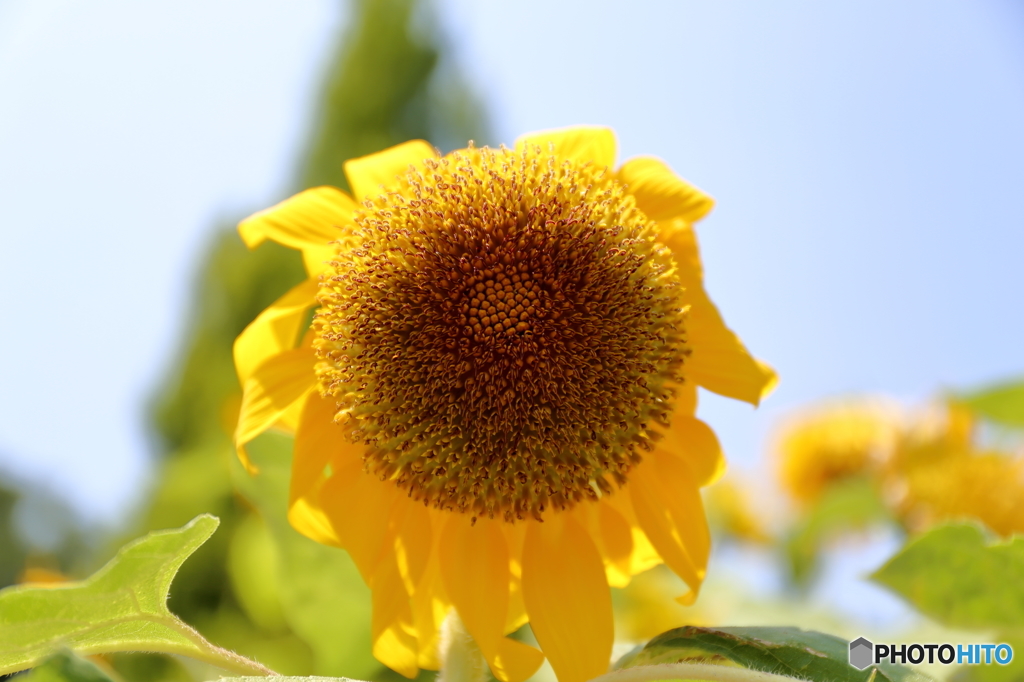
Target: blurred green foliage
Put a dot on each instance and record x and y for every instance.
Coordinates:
(1002, 403)
(390, 82)
(852, 504)
(64, 666)
(960, 577)
(12, 559)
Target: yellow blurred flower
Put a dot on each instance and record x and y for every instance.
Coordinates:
(835, 441)
(939, 473)
(504, 337)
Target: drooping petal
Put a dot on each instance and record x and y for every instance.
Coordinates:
(318, 442)
(394, 581)
(660, 193)
(274, 330)
(332, 499)
(616, 539)
(643, 555)
(367, 173)
(359, 507)
(269, 392)
(475, 569)
(568, 598)
(696, 445)
(430, 606)
(668, 506)
(719, 362)
(686, 399)
(308, 221)
(578, 143)
(515, 533)
(391, 625)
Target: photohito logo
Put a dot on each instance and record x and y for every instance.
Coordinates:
(863, 653)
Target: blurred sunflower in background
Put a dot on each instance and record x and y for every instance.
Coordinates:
(862, 462)
(494, 404)
(833, 441)
(941, 471)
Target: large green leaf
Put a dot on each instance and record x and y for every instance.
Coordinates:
(781, 651)
(1003, 403)
(955, 575)
(122, 607)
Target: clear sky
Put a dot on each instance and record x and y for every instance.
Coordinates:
(867, 158)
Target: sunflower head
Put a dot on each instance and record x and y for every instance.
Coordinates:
(940, 471)
(500, 330)
(833, 442)
(503, 337)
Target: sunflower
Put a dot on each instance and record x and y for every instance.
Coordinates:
(940, 472)
(835, 441)
(494, 405)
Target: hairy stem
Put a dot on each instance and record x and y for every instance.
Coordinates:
(461, 660)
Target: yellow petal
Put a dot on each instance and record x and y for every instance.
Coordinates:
(430, 606)
(289, 421)
(332, 500)
(393, 583)
(617, 542)
(515, 661)
(274, 330)
(308, 221)
(514, 536)
(686, 399)
(318, 442)
(643, 556)
(475, 570)
(359, 507)
(391, 628)
(660, 193)
(719, 362)
(668, 506)
(578, 143)
(567, 597)
(693, 442)
(367, 173)
(269, 392)
(474, 567)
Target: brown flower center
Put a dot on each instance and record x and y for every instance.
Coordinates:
(500, 330)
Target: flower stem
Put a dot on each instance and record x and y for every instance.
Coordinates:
(461, 660)
(690, 671)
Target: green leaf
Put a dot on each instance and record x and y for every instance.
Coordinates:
(122, 607)
(781, 651)
(64, 666)
(956, 576)
(1002, 403)
(845, 506)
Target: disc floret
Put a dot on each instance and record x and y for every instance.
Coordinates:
(501, 331)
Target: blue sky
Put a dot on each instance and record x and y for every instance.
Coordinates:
(867, 158)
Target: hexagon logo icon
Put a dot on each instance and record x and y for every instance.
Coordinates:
(861, 653)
